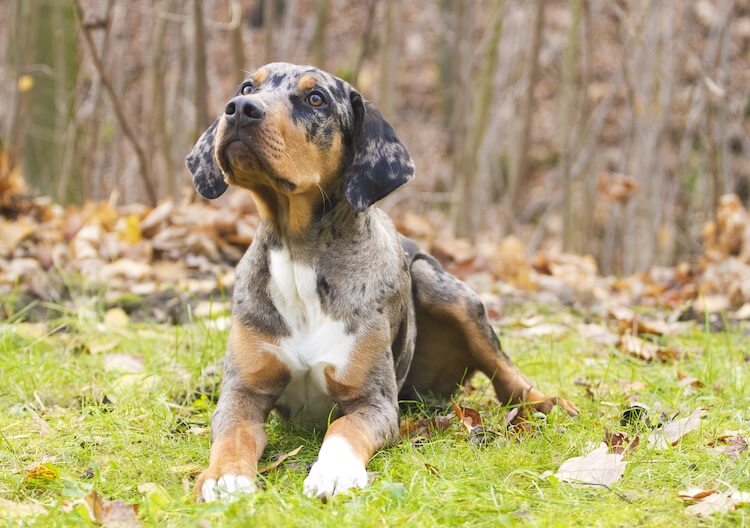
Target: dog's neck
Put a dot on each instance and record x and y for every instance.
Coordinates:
(303, 223)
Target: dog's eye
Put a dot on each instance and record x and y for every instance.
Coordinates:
(246, 89)
(315, 98)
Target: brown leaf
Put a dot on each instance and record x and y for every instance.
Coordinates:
(597, 467)
(469, 417)
(279, 460)
(709, 501)
(113, 514)
(619, 442)
(689, 381)
(424, 427)
(13, 234)
(672, 432)
(646, 350)
(734, 442)
(694, 493)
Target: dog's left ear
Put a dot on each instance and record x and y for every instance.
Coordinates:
(207, 178)
(380, 163)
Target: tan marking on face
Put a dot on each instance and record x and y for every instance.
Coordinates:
(283, 148)
(259, 368)
(260, 76)
(306, 82)
(235, 451)
(357, 432)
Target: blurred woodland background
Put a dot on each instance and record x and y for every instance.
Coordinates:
(609, 128)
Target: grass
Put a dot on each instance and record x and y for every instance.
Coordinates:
(94, 428)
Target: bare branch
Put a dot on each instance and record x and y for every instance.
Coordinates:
(119, 112)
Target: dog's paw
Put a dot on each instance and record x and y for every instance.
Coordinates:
(337, 470)
(224, 488)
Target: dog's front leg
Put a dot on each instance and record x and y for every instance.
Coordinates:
(253, 380)
(370, 422)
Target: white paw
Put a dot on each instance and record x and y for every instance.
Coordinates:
(227, 488)
(336, 471)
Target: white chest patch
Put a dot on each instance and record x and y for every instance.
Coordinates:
(316, 340)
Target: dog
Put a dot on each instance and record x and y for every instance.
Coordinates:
(335, 315)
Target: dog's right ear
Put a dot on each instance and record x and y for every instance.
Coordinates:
(207, 177)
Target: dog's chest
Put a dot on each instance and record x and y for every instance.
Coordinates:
(316, 340)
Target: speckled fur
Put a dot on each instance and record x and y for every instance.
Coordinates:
(401, 324)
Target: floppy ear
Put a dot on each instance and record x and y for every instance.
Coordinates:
(380, 163)
(207, 178)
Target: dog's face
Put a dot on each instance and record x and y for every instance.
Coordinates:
(297, 130)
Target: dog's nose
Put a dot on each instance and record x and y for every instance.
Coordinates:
(244, 110)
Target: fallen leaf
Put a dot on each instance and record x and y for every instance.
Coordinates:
(116, 317)
(646, 350)
(597, 467)
(734, 442)
(113, 514)
(424, 427)
(694, 493)
(279, 460)
(472, 420)
(689, 381)
(620, 442)
(467, 416)
(40, 473)
(10, 509)
(709, 501)
(598, 334)
(123, 363)
(714, 503)
(671, 432)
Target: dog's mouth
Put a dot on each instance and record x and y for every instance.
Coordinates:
(243, 164)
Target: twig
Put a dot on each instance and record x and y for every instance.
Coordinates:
(119, 113)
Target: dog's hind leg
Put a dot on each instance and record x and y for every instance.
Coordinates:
(455, 338)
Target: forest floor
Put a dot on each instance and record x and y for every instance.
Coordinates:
(105, 419)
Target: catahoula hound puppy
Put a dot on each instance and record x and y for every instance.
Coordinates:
(335, 315)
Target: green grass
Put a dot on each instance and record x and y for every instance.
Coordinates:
(111, 435)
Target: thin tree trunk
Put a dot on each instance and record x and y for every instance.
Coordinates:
(388, 60)
(366, 40)
(199, 68)
(319, 38)
(566, 125)
(119, 112)
(465, 216)
(520, 170)
(237, 43)
(269, 21)
(158, 125)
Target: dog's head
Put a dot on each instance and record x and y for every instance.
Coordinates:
(297, 130)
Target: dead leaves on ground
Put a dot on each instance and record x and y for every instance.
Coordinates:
(92, 507)
(114, 514)
(515, 421)
(670, 433)
(597, 467)
(710, 501)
